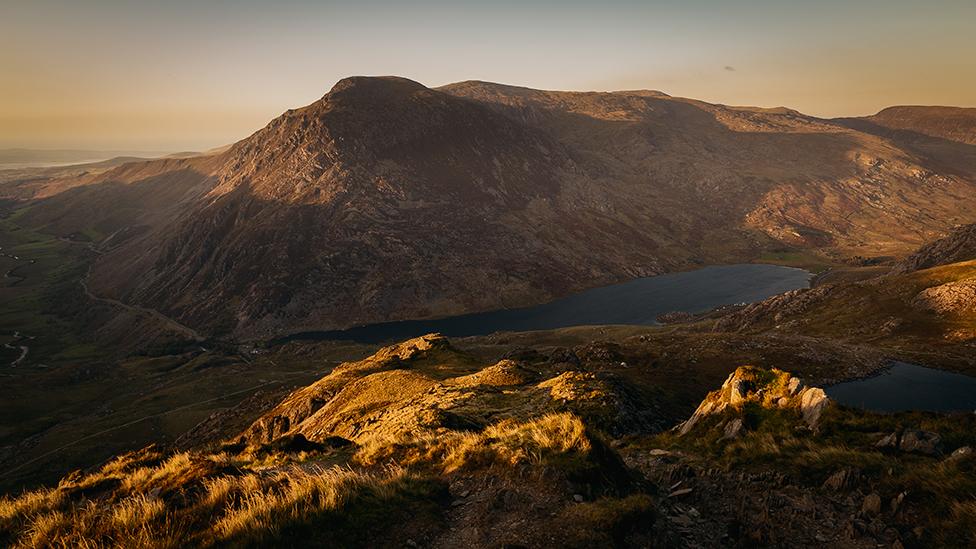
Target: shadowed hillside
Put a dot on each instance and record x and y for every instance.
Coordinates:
(476, 186)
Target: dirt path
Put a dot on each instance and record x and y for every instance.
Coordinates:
(24, 349)
(160, 317)
(165, 320)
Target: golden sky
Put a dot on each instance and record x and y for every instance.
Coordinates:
(182, 75)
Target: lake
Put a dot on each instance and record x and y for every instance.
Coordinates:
(904, 387)
(637, 302)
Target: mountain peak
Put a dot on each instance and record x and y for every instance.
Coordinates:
(374, 86)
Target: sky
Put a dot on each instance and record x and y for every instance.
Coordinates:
(192, 75)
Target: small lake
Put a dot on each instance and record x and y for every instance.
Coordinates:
(637, 302)
(905, 387)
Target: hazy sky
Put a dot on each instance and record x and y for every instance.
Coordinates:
(177, 75)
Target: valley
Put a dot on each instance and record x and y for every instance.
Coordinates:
(480, 300)
(493, 275)
(531, 194)
(639, 302)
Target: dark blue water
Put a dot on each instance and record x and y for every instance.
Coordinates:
(636, 302)
(906, 387)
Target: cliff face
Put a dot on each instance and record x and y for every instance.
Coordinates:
(383, 199)
(387, 200)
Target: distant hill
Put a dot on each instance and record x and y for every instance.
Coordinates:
(953, 123)
(26, 158)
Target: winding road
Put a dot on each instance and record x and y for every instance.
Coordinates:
(24, 349)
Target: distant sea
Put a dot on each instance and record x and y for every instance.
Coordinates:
(18, 159)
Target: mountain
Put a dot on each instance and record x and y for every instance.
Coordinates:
(39, 158)
(952, 123)
(800, 180)
(388, 200)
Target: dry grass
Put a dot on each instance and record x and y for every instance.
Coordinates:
(507, 443)
(940, 490)
(148, 500)
(613, 517)
(247, 509)
(961, 524)
(858, 311)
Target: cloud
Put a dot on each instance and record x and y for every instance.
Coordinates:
(729, 68)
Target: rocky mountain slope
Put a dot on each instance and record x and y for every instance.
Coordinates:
(926, 304)
(388, 200)
(959, 245)
(800, 180)
(422, 445)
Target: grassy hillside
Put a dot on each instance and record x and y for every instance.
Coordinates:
(927, 315)
(422, 444)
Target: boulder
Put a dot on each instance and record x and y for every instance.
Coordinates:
(733, 429)
(794, 385)
(897, 501)
(888, 441)
(842, 480)
(871, 505)
(813, 400)
(964, 453)
(739, 392)
(921, 442)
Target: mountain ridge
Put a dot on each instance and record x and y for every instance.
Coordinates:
(532, 193)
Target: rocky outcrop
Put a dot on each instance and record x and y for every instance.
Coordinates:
(951, 298)
(939, 281)
(959, 245)
(912, 440)
(305, 402)
(425, 386)
(771, 389)
(775, 309)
